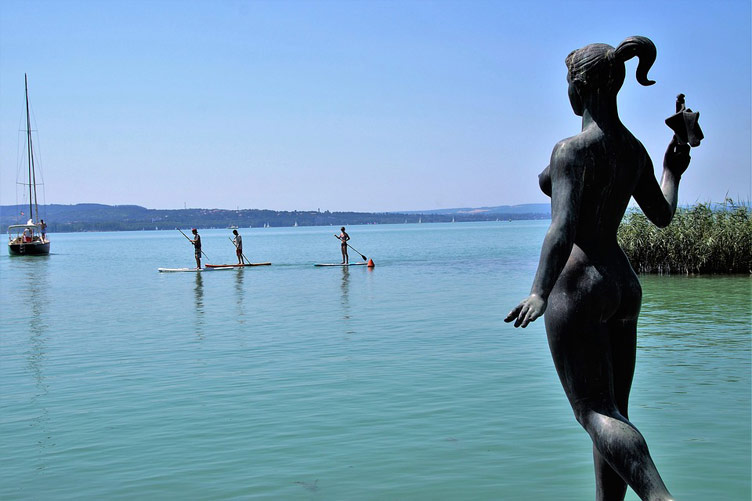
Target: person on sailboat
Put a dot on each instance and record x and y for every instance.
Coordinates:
(43, 229)
(238, 241)
(197, 246)
(344, 237)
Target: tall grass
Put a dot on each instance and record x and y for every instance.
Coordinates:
(700, 239)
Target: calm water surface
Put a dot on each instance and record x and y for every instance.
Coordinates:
(296, 382)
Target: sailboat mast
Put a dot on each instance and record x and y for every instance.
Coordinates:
(33, 209)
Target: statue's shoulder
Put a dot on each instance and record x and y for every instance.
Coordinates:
(571, 149)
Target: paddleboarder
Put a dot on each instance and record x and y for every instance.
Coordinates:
(238, 241)
(344, 237)
(197, 246)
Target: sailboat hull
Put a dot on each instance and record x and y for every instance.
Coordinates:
(29, 249)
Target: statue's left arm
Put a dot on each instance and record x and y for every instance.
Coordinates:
(658, 203)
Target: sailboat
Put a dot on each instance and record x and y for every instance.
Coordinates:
(29, 239)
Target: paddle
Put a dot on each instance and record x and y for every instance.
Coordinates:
(191, 241)
(353, 248)
(233, 243)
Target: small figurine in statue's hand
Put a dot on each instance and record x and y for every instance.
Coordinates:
(686, 124)
(687, 132)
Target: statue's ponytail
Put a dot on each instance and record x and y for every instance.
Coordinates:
(644, 49)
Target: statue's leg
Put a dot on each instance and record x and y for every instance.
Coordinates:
(623, 347)
(583, 352)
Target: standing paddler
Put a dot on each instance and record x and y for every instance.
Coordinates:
(196, 241)
(343, 238)
(238, 242)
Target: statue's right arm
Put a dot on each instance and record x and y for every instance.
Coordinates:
(566, 182)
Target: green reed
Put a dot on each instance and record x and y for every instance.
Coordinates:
(700, 239)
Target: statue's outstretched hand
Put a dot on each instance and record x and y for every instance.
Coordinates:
(527, 311)
(677, 157)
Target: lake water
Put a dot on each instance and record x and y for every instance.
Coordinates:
(296, 382)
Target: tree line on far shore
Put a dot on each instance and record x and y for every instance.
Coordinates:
(100, 217)
(704, 238)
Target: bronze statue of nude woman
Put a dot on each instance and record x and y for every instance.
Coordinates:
(584, 282)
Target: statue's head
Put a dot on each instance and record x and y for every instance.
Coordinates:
(599, 68)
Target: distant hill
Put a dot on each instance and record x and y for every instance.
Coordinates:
(99, 217)
(499, 209)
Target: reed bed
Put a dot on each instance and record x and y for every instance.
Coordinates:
(705, 238)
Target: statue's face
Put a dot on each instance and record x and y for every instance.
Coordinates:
(574, 97)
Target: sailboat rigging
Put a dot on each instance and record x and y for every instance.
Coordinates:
(30, 238)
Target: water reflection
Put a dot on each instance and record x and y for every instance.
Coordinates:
(345, 292)
(345, 302)
(682, 302)
(198, 292)
(699, 325)
(35, 284)
(239, 294)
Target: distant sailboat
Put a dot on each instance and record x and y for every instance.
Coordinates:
(29, 239)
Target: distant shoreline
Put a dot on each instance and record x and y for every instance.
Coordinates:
(100, 217)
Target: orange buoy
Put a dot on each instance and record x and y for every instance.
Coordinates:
(370, 263)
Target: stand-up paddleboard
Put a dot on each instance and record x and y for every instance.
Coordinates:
(236, 265)
(192, 270)
(340, 264)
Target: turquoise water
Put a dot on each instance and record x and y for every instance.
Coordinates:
(296, 382)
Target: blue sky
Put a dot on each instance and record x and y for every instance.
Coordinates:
(350, 105)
